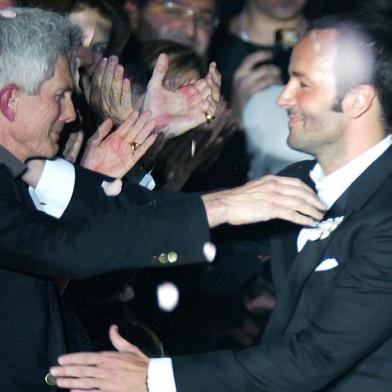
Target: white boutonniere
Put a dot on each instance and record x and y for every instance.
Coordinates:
(324, 228)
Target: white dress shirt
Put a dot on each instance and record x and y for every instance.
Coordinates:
(329, 189)
(56, 184)
(55, 187)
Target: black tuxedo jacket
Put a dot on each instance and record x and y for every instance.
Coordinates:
(96, 234)
(331, 328)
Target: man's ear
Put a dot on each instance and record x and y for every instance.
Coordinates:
(359, 100)
(8, 101)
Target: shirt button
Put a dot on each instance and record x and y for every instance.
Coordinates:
(172, 257)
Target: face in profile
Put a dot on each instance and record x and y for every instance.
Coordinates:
(186, 21)
(280, 9)
(40, 118)
(94, 24)
(310, 95)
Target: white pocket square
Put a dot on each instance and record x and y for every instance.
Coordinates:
(327, 264)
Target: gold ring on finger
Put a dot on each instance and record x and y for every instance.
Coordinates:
(135, 146)
(210, 117)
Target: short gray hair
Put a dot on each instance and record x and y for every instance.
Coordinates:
(30, 44)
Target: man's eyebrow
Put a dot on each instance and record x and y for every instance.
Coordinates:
(64, 90)
(298, 74)
(302, 75)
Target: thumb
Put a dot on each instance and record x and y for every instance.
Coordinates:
(120, 344)
(159, 71)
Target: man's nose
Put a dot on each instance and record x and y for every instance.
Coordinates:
(68, 113)
(286, 98)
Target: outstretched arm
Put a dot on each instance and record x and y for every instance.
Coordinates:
(271, 197)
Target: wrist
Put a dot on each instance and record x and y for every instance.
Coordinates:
(216, 208)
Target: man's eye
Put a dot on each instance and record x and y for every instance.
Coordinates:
(303, 85)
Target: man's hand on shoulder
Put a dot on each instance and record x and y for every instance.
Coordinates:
(271, 197)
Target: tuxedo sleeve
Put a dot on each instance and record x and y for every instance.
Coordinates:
(99, 234)
(352, 322)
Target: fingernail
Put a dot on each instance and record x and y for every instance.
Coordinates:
(53, 371)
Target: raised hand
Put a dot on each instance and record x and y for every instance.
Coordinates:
(108, 92)
(179, 110)
(123, 370)
(114, 154)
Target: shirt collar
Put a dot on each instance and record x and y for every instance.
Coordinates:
(330, 188)
(15, 166)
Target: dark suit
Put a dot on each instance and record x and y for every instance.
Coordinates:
(96, 234)
(331, 329)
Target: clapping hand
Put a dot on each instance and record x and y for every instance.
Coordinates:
(108, 92)
(176, 110)
(181, 109)
(114, 154)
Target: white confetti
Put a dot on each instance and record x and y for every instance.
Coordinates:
(168, 296)
(209, 250)
(8, 13)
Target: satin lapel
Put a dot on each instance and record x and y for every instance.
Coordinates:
(306, 261)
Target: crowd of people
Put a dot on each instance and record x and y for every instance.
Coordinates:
(195, 195)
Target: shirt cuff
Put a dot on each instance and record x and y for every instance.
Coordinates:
(55, 187)
(160, 375)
